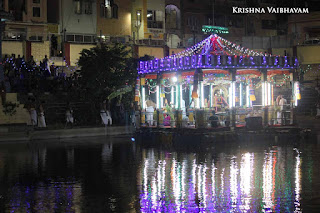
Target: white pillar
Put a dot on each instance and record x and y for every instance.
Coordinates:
(248, 96)
(211, 96)
(143, 94)
(172, 95)
(177, 96)
(158, 97)
(240, 95)
(201, 95)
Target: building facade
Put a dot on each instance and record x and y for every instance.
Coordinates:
(153, 27)
(114, 20)
(148, 18)
(78, 20)
(30, 20)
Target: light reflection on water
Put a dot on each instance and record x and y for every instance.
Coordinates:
(247, 182)
(119, 177)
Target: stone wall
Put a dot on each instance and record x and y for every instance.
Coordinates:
(39, 50)
(13, 47)
(157, 52)
(75, 50)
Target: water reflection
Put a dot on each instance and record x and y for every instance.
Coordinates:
(297, 182)
(245, 182)
(119, 177)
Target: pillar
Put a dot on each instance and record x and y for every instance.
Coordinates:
(142, 101)
(233, 73)
(143, 93)
(211, 96)
(293, 79)
(67, 53)
(178, 112)
(264, 85)
(158, 92)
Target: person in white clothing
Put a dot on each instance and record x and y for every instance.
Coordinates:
(105, 115)
(33, 115)
(183, 108)
(282, 104)
(69, 115)
(149, 113)
(41, 118)
(185, 121)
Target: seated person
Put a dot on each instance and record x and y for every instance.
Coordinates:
(167, 120)
(185, 121)
(214, 120)
(149, 114)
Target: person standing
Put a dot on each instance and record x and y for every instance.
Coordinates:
(278, 109)
(105, 114)
(132, 115)
(41, 118)
(282, 104)
(214, 120)
(3, 93)
(33, 115)
(69, 115)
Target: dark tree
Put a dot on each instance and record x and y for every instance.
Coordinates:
(107, 69)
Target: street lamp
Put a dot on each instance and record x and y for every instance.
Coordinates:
(138, 22)
(138, 17)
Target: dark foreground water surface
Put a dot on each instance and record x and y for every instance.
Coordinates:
(116, 175)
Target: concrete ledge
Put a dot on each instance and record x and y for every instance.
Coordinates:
(66, 133)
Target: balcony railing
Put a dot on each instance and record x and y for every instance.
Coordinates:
(81, 38)
(155, 24)
(150, 42)
(22, 36)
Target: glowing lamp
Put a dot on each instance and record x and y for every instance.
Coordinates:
(174, 79)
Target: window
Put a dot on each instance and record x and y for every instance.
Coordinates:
(36, 1)
(107, 3)
(108, 9)
(107, 12)
(220, 20)
(36, 11)
(269, 24)
(193, 23)
(88, 7)
(171, 19)
(150, 15)
(155, 19)
(77, 7)
(114, 11)
(236, 21)
(102, 10)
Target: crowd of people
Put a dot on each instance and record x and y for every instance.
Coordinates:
(27, 76)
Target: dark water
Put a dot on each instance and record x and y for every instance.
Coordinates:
(116, 175)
